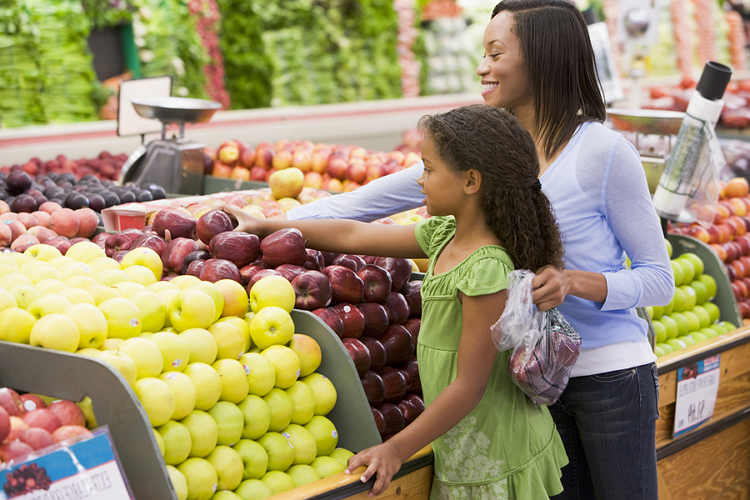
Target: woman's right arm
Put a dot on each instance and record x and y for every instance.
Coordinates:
(380, 198)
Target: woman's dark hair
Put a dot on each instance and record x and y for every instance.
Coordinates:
(494, 143)
(561, 66)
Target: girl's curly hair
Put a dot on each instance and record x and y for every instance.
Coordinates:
(494, 143)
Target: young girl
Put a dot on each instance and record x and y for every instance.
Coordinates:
(489, 441)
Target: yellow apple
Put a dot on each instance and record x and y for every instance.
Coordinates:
(302, 474)
(24, 294)
(203, 431)
(147, 357)
(140, 274)
(201, 344)
(235, 298)
(286, 363)
(272, 291)
(325, 434)
(48, 304)
(325, 393)
(144, 257)
(111, 344)
(166, 297)
(128, 288)
(40, 271)
(228, 465)
(257, 416)
(77, 296)
(101, 293)
(230, 420)
(73, 268)
(91, 323)
(8, 281)
(110, 277)
(201, 478)
(177, 442)
(159, 442)
(162, 285)
(286, 183)
(252, 489)
(184, 280)
(179, 483)
(242, 326)
(254, 458)
(233, 380)
(122, 363)
(175, 352)
(124, 319)
(308, 351)
(16, 325)
(42, 252)
(48, 286)
(327, 466)
(89, 351)
(18, 258)
(207, 384)
(80, 281)
(184, 391)
(153, 310)
(304, 402)
(261, 374)
(104, 263)
(191, 308)
(342, 455)
(157, 399)
(229, 340)
(278, 481)
(60, 261)
(303, 442)
(213, 292)
(7, 299)
(282, 408)
(271, 326)
(85, 251)
(279, 449)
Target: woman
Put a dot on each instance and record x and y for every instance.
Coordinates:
(539, 64)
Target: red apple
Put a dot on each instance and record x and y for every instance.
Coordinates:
(354, 321)
(331, 319)
(69, 432)
(285, 246)
(398, 344)
(247, 158)
(315, 260)
(416, 401)
(192, 257)
(412, 292)
(396, 307)
(259, 276)
(152, 241)
(195, 268)
(264, 155)
(337, 166)
(412, 325)
(258, 174)
(353, 262)
(212, 223)
(44, 418)
(121, 241)
(328, 258)
(356, 172)
(312, 289)
(100, 239)
(61, 243)
(175, 253)
(237, 247)
(395, 383)
(359, 353)
(379, 420)
(399, 269)
(290, 271)
(374, 388)
(68, 412)
(36, 438)
(376, 318)
(394, 419)
(14, 450)
(179, 224)
(377, 282)
(31, 402)
(347, 286)
(248, 271)
(11, 402)
(377, 352)
(376, 171)
(220, 269)
(411, 371)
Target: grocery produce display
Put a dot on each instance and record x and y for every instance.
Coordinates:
(104, 166)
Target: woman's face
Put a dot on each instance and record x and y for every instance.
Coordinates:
(505, 82)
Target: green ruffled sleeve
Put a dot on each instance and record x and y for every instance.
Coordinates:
(431, 233)
(487, 274)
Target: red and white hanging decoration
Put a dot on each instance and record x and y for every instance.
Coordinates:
(736, 36)
(407, 34)
(207, 23)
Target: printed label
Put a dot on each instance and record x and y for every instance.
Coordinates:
(177, 362)
(133, 322)
(247, 369)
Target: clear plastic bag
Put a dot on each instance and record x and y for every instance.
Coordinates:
(545, 346)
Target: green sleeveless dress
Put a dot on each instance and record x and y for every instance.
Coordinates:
(506, 447)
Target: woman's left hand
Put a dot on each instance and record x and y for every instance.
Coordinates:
(382, 459)
(550, 285)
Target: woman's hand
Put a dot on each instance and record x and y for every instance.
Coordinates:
(550, 285)
(246, 222)
(383, 459)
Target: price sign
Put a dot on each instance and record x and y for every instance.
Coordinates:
(697, 386)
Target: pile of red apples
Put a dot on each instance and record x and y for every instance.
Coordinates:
(104, 166)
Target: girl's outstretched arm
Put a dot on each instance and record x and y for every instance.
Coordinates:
(476, 359)
(340, 235)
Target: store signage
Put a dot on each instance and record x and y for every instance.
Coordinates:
(87, 470)
(697, 387)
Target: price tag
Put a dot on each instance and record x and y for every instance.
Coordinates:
(697, 386)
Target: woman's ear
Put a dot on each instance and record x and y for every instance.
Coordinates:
(472, 181)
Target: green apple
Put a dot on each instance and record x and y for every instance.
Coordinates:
(16, 325)
(682, 324)
(325, 434)
(727, 326)
(253, 489)
(235, 298)
(690, 297)
(204, 432)
(147, 357)
(687, 339)
(230, 420)
(708, 332)
(184, 391)
(207, 384)
(704, 317)
(693, 321)
(286, 363)
(183, 281)
(261, 374)
(48, 304)
(304, 402)
(159, 442)
(271, 326)
(701, 291)
(85, 251)
(242, 326)
(229, 340)
(77, 296)
(226, 495)
(272, 291)
(201, 478)
(213, 292)
(179, 483)
(257, 415)
(710, 283)
(122, 363)
(140, 274)
(303, 474)
(254, 458)
(24, 295)
(55, 331)
(144, 257)
(308, 351)
(91, 323)
(660, 332)
(124, 319)
(233, 380)
(670, 326)
(676, 344)
(327, 466)
(177, 442)
(191, 308)
(325, 393)
(280, 450)
(174, 351)
(201, 344)
(228, 465)
(157, 399)
(282, 408)
(153, 310)
(162, 285)
(713, 310)
(278, 481)
(698, 336)
(342, 455)
(304, 443)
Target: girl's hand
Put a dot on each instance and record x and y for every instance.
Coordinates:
(383, 459)
(550, 285)
(246, 222)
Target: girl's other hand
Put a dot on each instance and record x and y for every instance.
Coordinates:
(383, 459)
(550, 285)
(246, 222)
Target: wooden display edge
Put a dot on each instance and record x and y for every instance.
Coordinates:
(701, 433)
(702, 350)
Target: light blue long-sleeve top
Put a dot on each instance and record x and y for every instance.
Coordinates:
(598, 191)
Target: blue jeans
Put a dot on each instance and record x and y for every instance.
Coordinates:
(608, 425)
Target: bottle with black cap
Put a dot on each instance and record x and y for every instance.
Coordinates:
(696, 150)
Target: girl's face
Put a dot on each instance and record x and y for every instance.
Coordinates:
(505, 82)
(442, 186)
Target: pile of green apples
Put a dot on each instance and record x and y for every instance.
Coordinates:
(230, 389)
(690, 317)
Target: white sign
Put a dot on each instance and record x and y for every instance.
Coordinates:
(697, 386)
